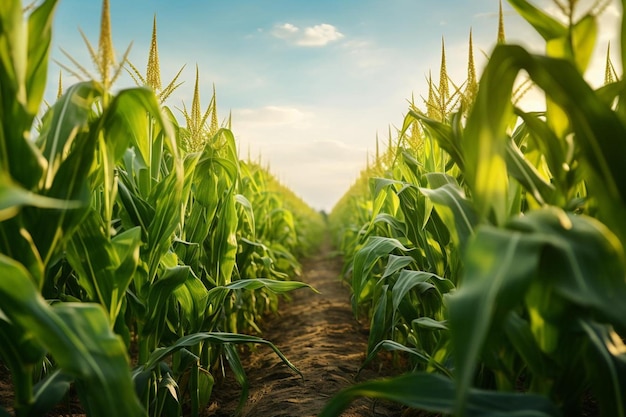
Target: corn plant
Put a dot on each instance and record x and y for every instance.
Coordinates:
(120, 231)
(43, 203)
(535, 218)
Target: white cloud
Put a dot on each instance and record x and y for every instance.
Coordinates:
(285, 31)
(318, 35)
(271, 116)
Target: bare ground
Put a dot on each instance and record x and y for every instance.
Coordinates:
(321, 337)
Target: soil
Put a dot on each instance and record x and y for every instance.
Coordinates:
(320, 336)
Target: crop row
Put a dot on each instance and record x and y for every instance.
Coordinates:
(133, 250)
(485, 246)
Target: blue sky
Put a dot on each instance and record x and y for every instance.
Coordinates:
(309, 83)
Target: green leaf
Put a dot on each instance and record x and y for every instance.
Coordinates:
(192, 297)
(494, 278)
(39, 38)
(364, 260)
(395, 263)
(431, 324)
(240, 374)
(609, 372)
(381, 320)
(548, 27)
(521, 337)
(443, 133)
(105, 266)
(272, 285)
(575, 266)
(66, 118)
(212, 337)
(391, 346)
(593, 122)
(435, 393)
(456, 211)
(527, 175)
(13, 196)
(159, 294)
(50, 391)
(406, 281)
(165, 198)
(78, 337)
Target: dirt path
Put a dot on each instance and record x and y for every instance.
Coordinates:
(320, 336)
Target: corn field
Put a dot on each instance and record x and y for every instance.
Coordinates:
(484, 245)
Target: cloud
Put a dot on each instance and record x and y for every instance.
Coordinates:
(271, 116)
(318, 35)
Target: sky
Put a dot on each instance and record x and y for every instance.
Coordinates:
(309, 84)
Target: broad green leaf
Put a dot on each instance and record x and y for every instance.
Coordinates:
(456, 211)
(137, 209)
(165, 199)
(159, 294)
(585, 264)
(406, 281)
(494, 281)
(248, 210)
(79, 339)
(553, 149)
(584, 36)
(364, 260)
(13, 196)
(205, 387)
(527, 175)
(272, 285)
(224, 240)
(396, 225)
(50, 391)
(105, 266)
(381, 320)
(609, 350)
(574, 257)
(548, 27)
(431, 324)
(592, 120)
(192, 297)
(212, 337)
(484, 143)
(125, 122)
(39, 37)
(395, 263)
(23, 67)
(68, 116)
(240, 374)
(519, 333)
(392, 346)
(434, 393)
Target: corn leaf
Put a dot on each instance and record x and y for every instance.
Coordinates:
(13, 197)
(212, 337)
(527, 175)
(548, 27)
(455, 210)
(77, 336)
(105, 266)
(364, 260)
(436, 394)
